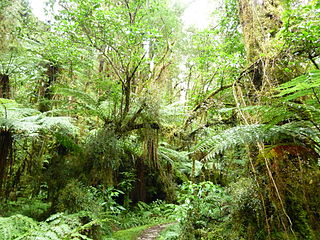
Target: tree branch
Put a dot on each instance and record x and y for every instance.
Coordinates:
(204, 104)
(136, 126)
(313, 61)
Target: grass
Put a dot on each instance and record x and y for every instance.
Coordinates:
(131, 233)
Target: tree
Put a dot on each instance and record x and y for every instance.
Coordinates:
(269, 164)
(131, 54)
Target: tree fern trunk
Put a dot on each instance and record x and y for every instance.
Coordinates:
(45, 91)
(4, 86)
(139, 193)
(6, 142)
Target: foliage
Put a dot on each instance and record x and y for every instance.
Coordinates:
(112, 102)
(34, 208)
(58, 226)
(97, 203)
(301, 30)
(252, 134)
(20, 119)
(15, 226)
(143, 214)
(202, 208)
(245, 206)
(170, 233)
(305, 85)
(75, 197)
(130, 234)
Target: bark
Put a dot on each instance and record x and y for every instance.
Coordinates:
(4, 86)
(45, 91)
(140, 193)
(260, 21)
(6, 141)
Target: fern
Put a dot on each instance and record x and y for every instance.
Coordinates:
(269, 114)
(58, 122)
(301, 86)
(300, 132)
(173, 113)
(92, 106)
(170, 155)
(57, 227)
(15, 226)
(179, 159)
(17, 118)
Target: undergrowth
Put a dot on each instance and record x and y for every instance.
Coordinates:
(34, 208)
(58, 226)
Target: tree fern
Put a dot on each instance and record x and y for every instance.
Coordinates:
(300, 132)
(179, 159)
(18, 118)
(173, 113)
(269, 114)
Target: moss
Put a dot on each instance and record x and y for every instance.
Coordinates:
(130, 234)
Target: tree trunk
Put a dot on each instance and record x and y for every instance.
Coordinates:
(4, 86)
(6, 141)
(139, 193)
(260, 20)
(45, 90)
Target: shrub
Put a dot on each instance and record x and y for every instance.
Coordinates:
(202, 210)
(76, 197)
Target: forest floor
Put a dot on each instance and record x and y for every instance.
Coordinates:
(153, 232)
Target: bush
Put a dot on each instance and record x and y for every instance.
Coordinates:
(202, 210)
(75, 197)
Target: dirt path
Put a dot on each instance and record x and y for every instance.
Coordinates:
(153, 232)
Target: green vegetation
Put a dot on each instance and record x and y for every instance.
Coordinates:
(130, 234)
(116, 117)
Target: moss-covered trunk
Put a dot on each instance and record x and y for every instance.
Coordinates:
(284, 214)
(45, 92)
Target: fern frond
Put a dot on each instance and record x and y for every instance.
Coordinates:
(18, 118)
(173, 112)
(171, 155)
(252, 134)
(179, 159)
(15, 226)
(79, 95)
(86, 101)
(64, 123)
(269, 114)
(57, 227)
(301, 86)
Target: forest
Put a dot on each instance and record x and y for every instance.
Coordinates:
(117, 122)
